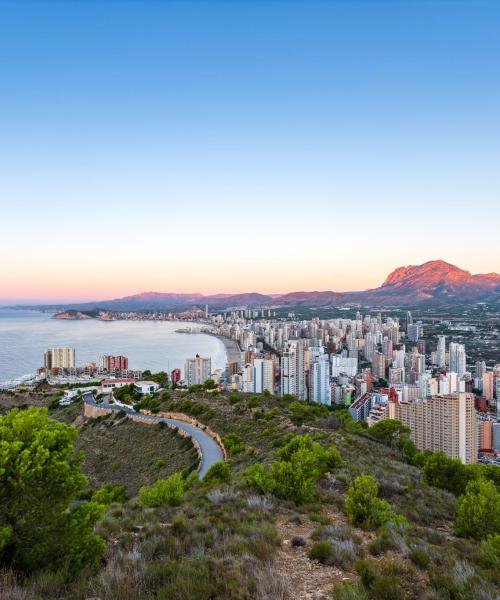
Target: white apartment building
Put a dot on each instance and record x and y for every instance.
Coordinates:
(441, 351)
(263, 373)
(320, 389)
(197, 370)
(343, 364)
(60, 358)
(457, 358)
(293, 377)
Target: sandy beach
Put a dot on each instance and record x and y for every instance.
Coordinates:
(232, 349)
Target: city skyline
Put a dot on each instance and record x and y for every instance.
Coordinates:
(236, 147)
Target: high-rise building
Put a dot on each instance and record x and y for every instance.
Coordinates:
(248, 381)
(320, 390)
(293, 377)
(443, 423)
(486, 436)
(496, 436)
(441, 351)
(263, 375)
(387, 350)
(378, 365)
(113, 363)
(343, 364)
(59, 358)
(288, 373)
(175, 376)
(396, 375)
(457, 358)
(197, 370)
(480, 368)
(488, 385)
(413, 331)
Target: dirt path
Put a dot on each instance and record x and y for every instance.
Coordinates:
(308, 579)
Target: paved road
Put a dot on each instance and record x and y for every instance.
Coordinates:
(210, 450)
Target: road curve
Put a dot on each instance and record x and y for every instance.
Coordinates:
(210, 449)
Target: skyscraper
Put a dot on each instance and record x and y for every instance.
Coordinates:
(488, 385)
(288, 379)
(408, 319)
(320, 391)
(293, 370)
(457, 358)
(197, 370)
(441, 351)
(378, 365)
(263, 375)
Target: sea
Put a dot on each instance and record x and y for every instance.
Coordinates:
(26, 334)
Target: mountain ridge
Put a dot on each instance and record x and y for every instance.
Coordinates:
(432, 281)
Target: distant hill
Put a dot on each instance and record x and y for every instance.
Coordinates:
(435, 281)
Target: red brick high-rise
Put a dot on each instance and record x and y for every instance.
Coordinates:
(113, 363)
(175, 376)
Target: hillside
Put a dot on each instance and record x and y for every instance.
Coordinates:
(116, 449)
(228, 540)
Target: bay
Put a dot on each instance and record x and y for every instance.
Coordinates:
(25, 335)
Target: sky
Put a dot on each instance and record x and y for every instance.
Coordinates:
(244, 146)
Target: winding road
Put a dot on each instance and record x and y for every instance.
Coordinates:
(210, 449)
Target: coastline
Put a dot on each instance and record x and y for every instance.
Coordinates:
(54, 332)
(232, 347)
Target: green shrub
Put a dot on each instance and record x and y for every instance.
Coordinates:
(420, 557)
(349, 591)
(209, 385)
(219, 472)
(382, 543)
(302, 461)
(445, 584)
(234, 443)
(388, 431)
(368, 571)
(109, 493)
(257, 476)
(163, 491)
(253, 402)
(179, 580)
(321, 551)
(387, 587)
(489, 551)
(362, 506)
(445, 472)
(389, 537)
(478, 510)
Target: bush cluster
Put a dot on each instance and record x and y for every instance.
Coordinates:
(301, 462)
(163, 491)
(363, 507)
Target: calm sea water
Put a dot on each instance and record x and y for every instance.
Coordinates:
(26, 335)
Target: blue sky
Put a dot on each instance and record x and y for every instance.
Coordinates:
(271, 146)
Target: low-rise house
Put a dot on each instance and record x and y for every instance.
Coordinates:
(146, 387)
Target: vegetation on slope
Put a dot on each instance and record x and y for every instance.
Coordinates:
(361, 521)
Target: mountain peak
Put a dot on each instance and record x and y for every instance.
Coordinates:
(428, 274)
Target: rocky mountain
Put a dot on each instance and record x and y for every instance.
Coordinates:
(438, 277)
(435, 281)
